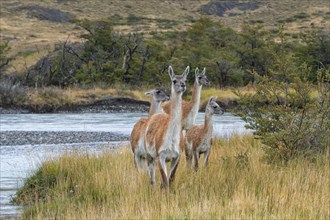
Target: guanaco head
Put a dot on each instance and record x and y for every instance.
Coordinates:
(201, 78)
(158, 95)
(178, 81)
(212, 107)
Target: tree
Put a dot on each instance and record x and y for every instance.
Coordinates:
(253, 51)
(315, 52)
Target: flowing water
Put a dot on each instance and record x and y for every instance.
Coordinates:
(18, 162)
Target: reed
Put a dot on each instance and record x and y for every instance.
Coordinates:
(236, 184)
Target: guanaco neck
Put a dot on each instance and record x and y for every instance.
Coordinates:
(176, 111)
(196, 95)
(208, 122)
(155, 107)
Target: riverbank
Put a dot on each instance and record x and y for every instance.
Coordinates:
(107, 105)
(104, 105)
(97, 100)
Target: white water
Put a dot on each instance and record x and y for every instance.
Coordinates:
(18, 162)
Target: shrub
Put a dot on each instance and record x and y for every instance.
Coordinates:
(11, 93)
(51, 96)
(291, 118)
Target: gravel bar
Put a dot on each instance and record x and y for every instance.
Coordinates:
(12, 138)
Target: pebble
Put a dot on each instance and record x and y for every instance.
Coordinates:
(12, 138)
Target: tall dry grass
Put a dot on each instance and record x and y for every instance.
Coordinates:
(76, 95)
(54, 95)
(237, 184)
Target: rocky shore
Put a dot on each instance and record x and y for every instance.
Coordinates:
(13, 138)
(108, 104)
(105, 105)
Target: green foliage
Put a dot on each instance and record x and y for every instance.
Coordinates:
(4, 59)
(315, 52)
(111, 58)
(291, 118)
(212, 45)
(254, 50)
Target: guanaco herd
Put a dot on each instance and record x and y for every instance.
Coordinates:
(159, 138)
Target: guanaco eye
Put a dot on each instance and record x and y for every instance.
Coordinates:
(215, 107)
(158, 92)
(174, 81)
(199, 77)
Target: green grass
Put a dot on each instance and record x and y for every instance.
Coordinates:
(237, 184)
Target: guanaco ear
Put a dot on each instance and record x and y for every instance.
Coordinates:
(186, 71)
(171, 72)
(212, 99)
(204, 70)
(149, 93)
(196, 72)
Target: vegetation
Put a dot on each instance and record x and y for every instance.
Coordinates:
(20, 19)
(107, 57)
(291, 79)
(11, 93)
(4, 59)
(290, 109)
(292, 119)
(281, 74)
(236, 184)
(14, 95)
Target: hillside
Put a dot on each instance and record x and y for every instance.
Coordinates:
(33, 27)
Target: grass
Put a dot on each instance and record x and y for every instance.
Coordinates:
(237, 184)
(76, 95)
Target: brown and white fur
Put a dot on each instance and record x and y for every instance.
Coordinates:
(163, 133)
(138, 132)
(190, 108)
(198, 138)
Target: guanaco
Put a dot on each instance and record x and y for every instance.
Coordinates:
(137, 135)
(190, 108)
(198, 138)
(163, 133)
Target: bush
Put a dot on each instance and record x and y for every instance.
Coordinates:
(11, 93)
(291, 119)
(49, 96)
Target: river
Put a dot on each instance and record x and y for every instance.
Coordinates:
(18, 162)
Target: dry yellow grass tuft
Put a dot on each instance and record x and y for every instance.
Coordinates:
(236, 184)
